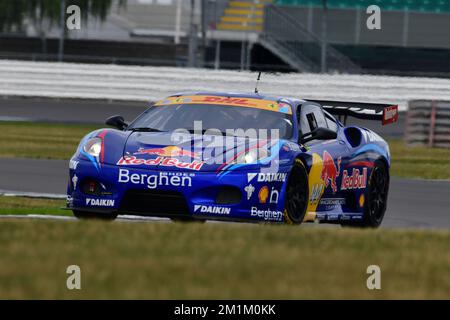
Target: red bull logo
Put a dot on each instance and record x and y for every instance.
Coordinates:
(329, 171)
(159, 161)
(170, 152)
(354, 181)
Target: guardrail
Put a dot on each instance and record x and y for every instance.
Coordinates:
(428, 123)
(135, 83)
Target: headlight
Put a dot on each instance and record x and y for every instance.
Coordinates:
(93, 147)
(253, 155)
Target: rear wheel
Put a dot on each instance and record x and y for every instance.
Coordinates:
(297, 193)
(94, 215)
(377, 195)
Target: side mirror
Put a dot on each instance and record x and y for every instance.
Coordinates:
(318, 134)
(117, 122)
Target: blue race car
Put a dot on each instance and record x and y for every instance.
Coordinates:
(236, 157)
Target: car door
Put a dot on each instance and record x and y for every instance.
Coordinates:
(328, 159)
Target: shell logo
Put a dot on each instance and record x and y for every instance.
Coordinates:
(263, 194)
(362, 200)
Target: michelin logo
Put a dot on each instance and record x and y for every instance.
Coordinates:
(100, 202)
(212, 210)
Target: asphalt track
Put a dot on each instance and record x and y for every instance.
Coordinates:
(412, 203)
(95, 112)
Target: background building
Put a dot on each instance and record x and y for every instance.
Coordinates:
(278, 35)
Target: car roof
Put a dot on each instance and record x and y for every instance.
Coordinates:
(290, 100)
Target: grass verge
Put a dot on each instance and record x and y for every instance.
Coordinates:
(419, 162)
(23, 205)
(59, 141)
(41, 140)
(218, 261)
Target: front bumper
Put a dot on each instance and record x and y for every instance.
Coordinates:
(235, 195)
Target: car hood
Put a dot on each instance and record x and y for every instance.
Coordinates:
(172, 152)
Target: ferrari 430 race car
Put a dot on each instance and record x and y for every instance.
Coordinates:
(238, 157)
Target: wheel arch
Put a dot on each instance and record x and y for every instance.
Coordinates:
(305, 159)
(386, 163)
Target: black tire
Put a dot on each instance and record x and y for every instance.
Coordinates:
(376, 198)
(95, 215)
(297, 194)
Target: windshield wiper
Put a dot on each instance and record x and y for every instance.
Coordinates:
(145, 129)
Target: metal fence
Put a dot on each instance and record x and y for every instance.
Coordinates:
(303, 50)
(428, 123)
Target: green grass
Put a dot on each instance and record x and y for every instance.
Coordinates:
(419, 162)
(40, 140)
(218, 261)
(23, 205)
(59, 141)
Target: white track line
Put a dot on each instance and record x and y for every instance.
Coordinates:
(124, 218)
(8, 193)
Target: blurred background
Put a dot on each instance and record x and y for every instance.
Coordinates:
(275, 35)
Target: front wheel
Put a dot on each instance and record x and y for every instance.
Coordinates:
(377, 194)
(297, 194)
(94, 215)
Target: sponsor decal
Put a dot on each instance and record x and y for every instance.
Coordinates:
(330, 172)
(316, 184)
(228, 101)
(74, 181)
(263, 194)
(355, 181)
(362, 200)
(284, 108)
(73, 164)
(321, 215)
(225, 100)
(390, 115)
(316, 193)
(154, 180)
(332, 217)
(251, 176)
(171, 152)
(267, 215)
(212, 209)
(100, 202)
(249, 189)
(162, 161)
(288, 146)
(372, 136)
(270, 177)
(69, 201)
(274, 195)
(332, 201)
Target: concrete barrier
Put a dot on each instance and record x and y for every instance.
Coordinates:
(134, 83)
(428, 123)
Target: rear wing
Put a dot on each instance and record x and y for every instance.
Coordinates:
(387, 113)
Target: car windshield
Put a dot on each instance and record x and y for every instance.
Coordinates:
(220, 117)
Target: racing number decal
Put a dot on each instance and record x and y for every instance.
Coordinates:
(316, 186)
